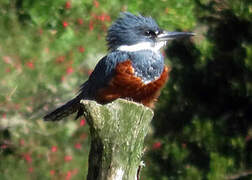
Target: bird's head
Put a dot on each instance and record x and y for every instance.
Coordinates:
(131, 33)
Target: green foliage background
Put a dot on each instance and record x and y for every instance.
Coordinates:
(202, 125)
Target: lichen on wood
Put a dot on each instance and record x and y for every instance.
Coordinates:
(117, 133)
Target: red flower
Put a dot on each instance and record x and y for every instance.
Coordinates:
(91, 25)
(77, 146)
(3, 146)
(68, 5)
(54, 149)
(62, 78)
(27, 157)
(7, 70)
(30, 65)
(7, 59)
(101, 17)
(96, 3)
(4, 115)
(81, 49)
(68, 175)
(65, 24)
(60, 59)
(68, 158)
(69, 70)
(104, 17)
(82, 122)
(30, 170)
(80, 21)
(52, 172)
(156, 145)
(107, 17)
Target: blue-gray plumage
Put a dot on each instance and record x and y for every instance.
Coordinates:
(130, 29)
(133, 69)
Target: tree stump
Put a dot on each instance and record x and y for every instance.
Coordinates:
(117, 133)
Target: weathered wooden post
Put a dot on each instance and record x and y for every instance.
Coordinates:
(117, 133)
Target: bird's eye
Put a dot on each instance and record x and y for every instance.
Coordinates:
(150, 33)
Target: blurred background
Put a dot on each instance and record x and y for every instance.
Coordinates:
(202, 127)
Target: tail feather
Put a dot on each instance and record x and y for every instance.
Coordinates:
(65, 110)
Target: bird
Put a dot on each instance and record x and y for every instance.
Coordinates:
(133, 68)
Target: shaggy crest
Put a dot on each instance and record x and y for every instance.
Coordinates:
(129, 29)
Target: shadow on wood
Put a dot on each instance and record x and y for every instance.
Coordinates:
(117, 130)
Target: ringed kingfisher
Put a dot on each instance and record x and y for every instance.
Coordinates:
(133, 69)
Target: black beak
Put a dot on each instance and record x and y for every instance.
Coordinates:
(165, 35)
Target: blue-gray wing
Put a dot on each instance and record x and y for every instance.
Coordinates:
(102, 74)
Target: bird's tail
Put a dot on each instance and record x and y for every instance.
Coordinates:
(65, 110)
